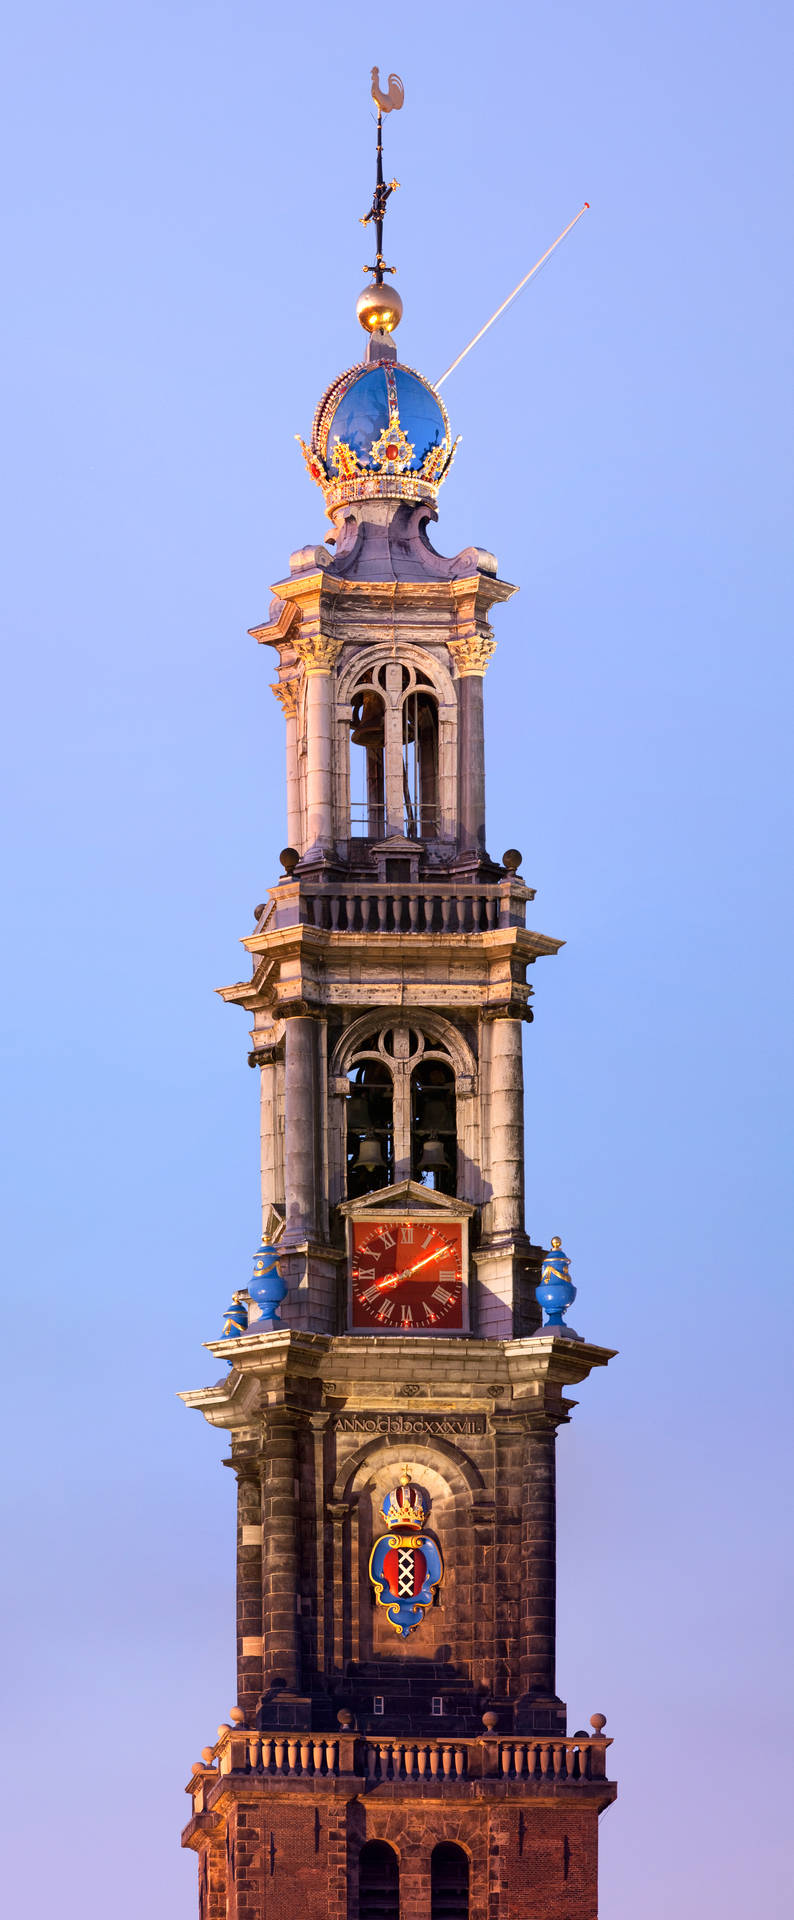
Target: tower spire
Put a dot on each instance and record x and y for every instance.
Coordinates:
(379, 307)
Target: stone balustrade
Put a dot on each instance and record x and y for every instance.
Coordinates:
(576, 1759)
(371, 906)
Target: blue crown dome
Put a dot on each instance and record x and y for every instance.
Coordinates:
(365, 409)
(380, 432)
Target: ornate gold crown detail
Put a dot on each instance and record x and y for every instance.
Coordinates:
(386, 473)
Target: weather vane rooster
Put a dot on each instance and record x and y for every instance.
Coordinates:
(386, 103)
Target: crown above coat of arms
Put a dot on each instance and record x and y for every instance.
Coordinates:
(406, 1505)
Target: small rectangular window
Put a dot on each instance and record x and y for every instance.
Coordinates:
(437, 1705)
(377, 1703)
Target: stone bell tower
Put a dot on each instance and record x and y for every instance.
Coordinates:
(398, 1747)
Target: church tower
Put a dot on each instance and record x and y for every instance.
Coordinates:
(398, 1748)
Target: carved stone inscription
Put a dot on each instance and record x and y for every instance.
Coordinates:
(418, 1423)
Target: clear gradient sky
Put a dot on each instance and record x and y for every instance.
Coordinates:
(182, 255)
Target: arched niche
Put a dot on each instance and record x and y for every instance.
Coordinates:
(455, 1486)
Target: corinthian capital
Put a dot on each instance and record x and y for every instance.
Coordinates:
(472, 652)
(286, 692)
(317, 650)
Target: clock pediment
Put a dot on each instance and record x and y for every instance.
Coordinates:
(408, 1196)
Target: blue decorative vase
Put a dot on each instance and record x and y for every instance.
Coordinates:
(235, 1320)
(556, 1292)
(267, 1289)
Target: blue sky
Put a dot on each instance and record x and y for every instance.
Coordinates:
(183, 254)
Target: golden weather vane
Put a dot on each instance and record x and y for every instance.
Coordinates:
(386, 103)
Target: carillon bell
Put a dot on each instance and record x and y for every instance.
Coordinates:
(367, 730)
(370, 1154)
(434, 1159)
(357, 1112)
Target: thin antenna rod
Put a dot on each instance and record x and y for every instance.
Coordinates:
(511, 296)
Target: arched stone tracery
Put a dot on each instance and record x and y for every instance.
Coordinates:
(384, 1072)
(405, 713)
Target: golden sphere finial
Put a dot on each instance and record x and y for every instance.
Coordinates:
(379, 308)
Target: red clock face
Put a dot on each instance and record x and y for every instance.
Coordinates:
(407, 1275)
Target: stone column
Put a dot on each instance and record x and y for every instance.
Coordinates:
(302, 1171)
(471, 653)
(318, 651)
(506, 1127)
(280, 1567)
(286, 692)
(249, 1589)
(538, 1566)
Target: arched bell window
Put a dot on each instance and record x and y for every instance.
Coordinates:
(401, 1116)
(420, 762)
(368, 762)
(394, 753)
(370, 1128)
(434, 1136)
(378, 1882)
(449, 1882)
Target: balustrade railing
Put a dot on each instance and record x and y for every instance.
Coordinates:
(386, 907)
(572, 1760)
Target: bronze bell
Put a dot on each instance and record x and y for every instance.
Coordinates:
(434, 1159)
(367, 730)
(357, 1113)
(370, 1156)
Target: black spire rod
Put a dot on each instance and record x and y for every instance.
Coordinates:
(385, 103)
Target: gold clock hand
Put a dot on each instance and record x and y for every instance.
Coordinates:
(392, 1278)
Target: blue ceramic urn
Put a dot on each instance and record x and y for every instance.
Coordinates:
(267, 1289)
(235, 1319)
(556, 1291)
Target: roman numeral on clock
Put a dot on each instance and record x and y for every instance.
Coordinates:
(443, 1296)
(372, 1294)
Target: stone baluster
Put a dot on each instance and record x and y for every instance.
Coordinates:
(447, 1760)
(293, 1749)
(421, 1762)
(372, 1762)
(383, 1755)
(435, 1757)
(460, 1761)
(279, 1749)
(446, 911)
(383, 905)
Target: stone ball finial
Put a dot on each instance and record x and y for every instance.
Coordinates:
(237, 1716)
(344, 1717)
(289, 857)
(490, 1720)
(207, 1756)
(512, 859)
(224, 1729)
(258, 911)
(598, 1720)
